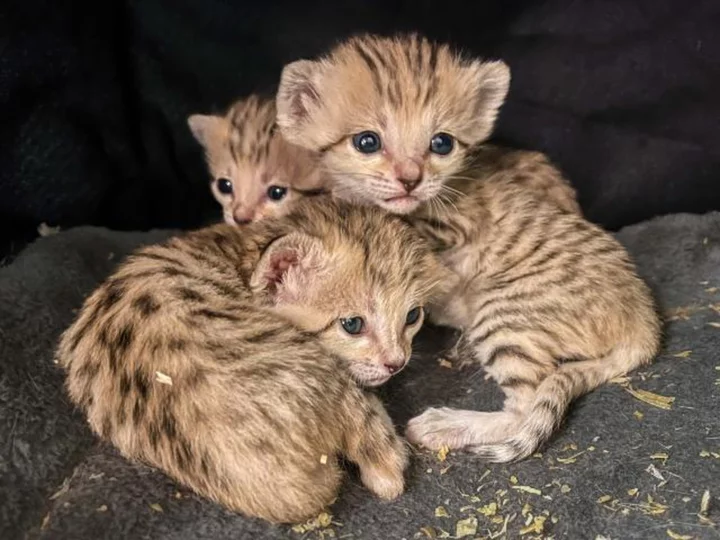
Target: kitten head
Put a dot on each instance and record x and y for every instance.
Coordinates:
(255, 173)
(394, 118)
(355, 277)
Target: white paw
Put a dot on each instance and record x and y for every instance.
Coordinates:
(438, 427)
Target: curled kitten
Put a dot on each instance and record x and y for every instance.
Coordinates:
(255, 173)
(234, 360)
(550, 305)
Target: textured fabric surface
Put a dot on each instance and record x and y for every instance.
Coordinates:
(620, 467)
(624, 95)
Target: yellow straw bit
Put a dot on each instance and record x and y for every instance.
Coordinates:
(466, 527)
(656, 400)
(319, 522)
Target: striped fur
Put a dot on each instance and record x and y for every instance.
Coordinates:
(550, 304)
(220, 358)
(244, 147)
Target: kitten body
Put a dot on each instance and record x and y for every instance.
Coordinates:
(550, 304)
(222, 357)
(255, 173)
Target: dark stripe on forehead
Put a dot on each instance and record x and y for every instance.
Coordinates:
(420, 56)
(372, 66)
(432, 65)
(233, 152)
(378, 55)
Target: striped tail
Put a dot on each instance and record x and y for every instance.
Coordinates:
(553, 398)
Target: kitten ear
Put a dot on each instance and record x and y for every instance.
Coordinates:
(205, 127)
(493, 82)
(288, 267)
(297, 98)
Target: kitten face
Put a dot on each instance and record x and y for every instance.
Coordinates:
(393, 118)
(255, 173)
(363, 301)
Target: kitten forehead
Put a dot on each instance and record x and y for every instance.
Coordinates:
(375, 248)
(405, 83)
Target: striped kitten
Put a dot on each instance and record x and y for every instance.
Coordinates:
(254, 172)
(234, 359)
(550, 304)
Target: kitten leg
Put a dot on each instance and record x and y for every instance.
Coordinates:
(458, 428)
(518, 372)
(375, 446)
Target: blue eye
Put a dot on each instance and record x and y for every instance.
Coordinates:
(442, 144)
(413, 316)
(367, 142)
(276, 193)
(353, 325)
(224, 186)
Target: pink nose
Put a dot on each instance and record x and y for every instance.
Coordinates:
(409, 174)
(394, 367)
(242, 218)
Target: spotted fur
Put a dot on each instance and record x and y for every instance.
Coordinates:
(244, 148)
(550, 305)
(266, 388)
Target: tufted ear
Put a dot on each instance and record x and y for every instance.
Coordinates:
(492, 85)
(206, 128)
(298, 98)
(289, 267)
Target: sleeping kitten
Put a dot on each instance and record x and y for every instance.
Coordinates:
(233, 359)
(550, 304)
(255, 173)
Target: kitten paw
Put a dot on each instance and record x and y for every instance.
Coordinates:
(385, 485)
(436, 428)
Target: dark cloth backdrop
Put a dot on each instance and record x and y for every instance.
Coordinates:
(623, 95)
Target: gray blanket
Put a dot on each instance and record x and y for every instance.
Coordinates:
(620, 468)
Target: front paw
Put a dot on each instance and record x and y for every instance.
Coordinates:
(436, 428)
(387, 480)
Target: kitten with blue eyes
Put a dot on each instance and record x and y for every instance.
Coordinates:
(235, 359)
(549, 304)
(255, 173)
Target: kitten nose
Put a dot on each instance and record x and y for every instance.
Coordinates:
(242, 218)
(409, 185)
(409, 174)
(395, 366)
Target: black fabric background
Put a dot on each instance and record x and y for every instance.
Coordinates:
(623, 95)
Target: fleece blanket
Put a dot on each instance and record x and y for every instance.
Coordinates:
(639, 458)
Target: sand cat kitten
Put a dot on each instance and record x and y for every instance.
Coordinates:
(233, 359)
(550, 304)
(254, 172)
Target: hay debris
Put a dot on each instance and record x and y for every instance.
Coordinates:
(440, 511)
(656, 400)
(528, 489)
(163, 378)
(444, 362)
(321, 521)
(677, 536)
(466, 527)
(537, 526)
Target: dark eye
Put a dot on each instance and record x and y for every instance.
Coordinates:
(276, 193)
(367, 142)
(224, 186)
(413, 316)
(442, 144)
(353, 325)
